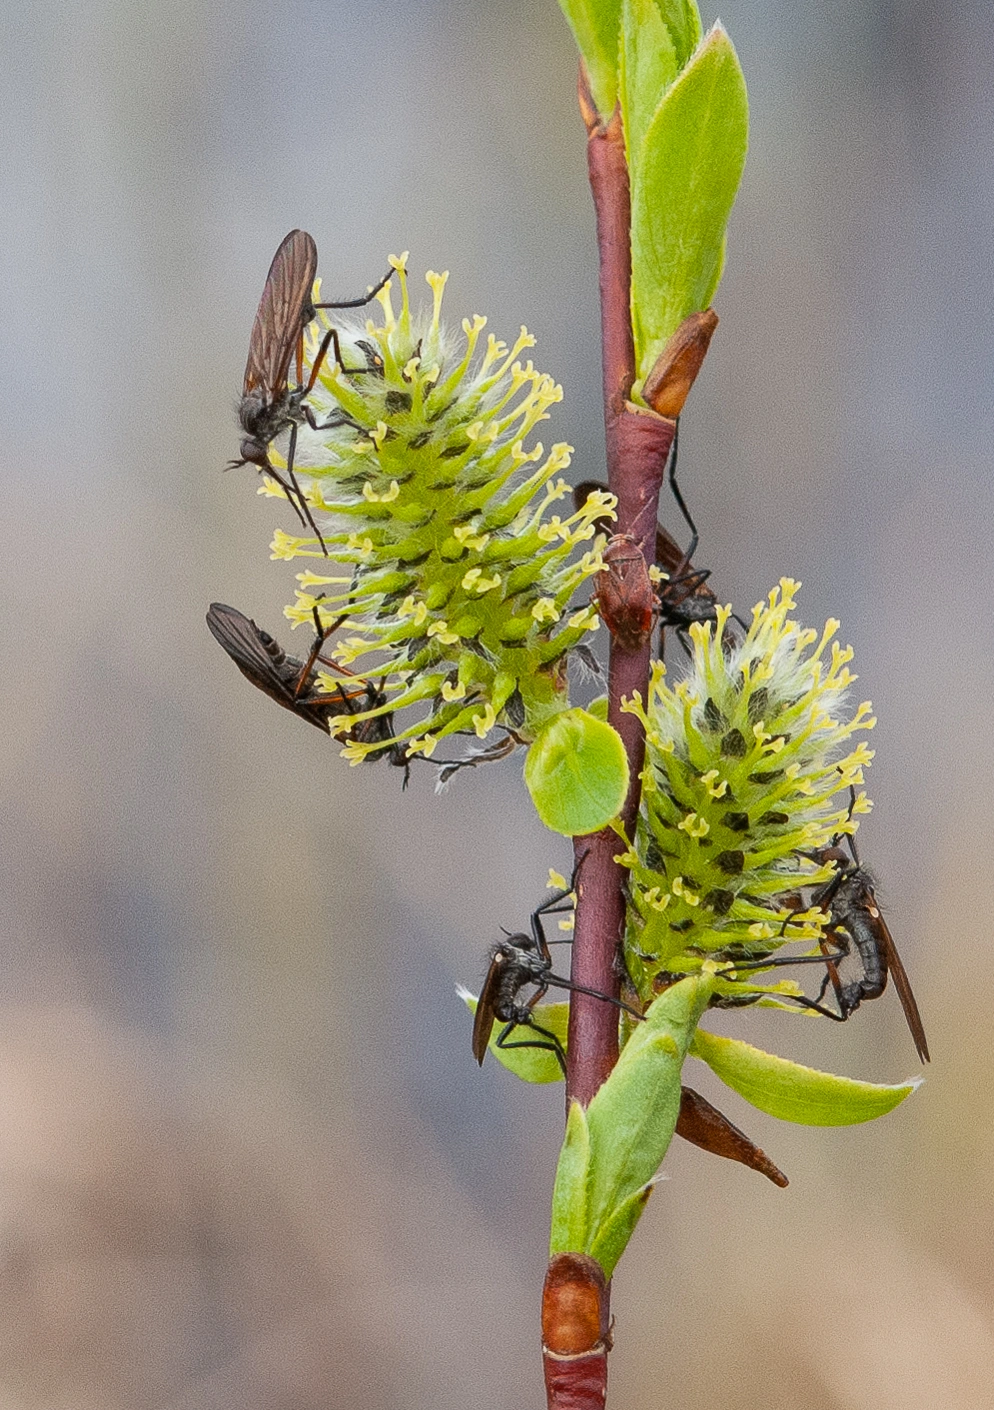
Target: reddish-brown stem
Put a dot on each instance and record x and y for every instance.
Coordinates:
(576, 1333)
(593, 1028)
(576, 1301)
(638, 443)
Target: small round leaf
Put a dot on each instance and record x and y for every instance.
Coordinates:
(530, 1064)
(577, 773)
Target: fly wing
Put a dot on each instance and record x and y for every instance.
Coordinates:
(483, 1020)
(279, 319)
(903, 986)
(246, 645)
(669, 554)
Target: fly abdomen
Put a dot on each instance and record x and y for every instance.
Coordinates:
(866, 937)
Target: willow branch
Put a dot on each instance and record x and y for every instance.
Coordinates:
(638, 443)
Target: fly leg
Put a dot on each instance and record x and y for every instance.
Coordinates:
(524, 1018)
(321, 635)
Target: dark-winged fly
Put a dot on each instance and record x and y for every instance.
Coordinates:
(269, 405)
(289, 681)
(293, 684)
(515, 962)
(855, 920)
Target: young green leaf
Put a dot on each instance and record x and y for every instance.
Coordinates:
(596, 25)
(577, 773)
(630, 1123)
(530, 1064)
(794, 1093)
(633, 1116)
(569, 1198)
(611, 1238)
(682, 19)
(685, 175)
(648, 67)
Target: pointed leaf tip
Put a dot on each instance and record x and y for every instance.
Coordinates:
(792, 1092)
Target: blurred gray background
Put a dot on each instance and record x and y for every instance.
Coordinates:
(246, 1159)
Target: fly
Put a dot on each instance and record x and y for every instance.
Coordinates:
(516, 962)
(293, 684)
(855, 920)
(260, 658)
(269, 405)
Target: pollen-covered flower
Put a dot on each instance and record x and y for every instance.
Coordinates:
(744, 762)
(460, 560)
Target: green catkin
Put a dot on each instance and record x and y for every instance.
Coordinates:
(744, 762)
(458, 574)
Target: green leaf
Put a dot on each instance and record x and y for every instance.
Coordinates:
(629, 1123)
(632, 1117)
(682, 19)
(684, 179)
(530, 1064)
(596, 25)
(794, 1093)
(611, 1239)
(577, 773)
(648, 67)
(533, 1064)
(569, 1196)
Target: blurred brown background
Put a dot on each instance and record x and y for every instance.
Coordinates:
(246, 1159)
